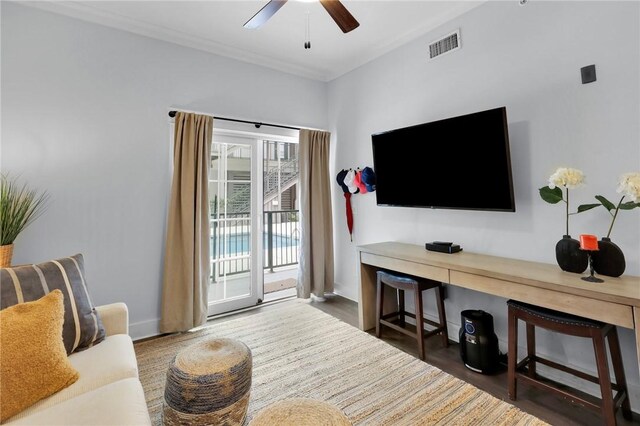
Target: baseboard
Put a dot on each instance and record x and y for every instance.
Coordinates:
(151, 328)
(343, 295)
(144, 329)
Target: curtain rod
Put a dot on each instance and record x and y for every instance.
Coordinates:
(173, 114)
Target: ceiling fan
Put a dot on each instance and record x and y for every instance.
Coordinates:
(338, 12)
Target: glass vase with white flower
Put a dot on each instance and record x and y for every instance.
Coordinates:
(609, 259)
(568, 254)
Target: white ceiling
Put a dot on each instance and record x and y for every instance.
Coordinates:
(217, 27)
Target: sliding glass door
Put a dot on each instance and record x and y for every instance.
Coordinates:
(235, 225)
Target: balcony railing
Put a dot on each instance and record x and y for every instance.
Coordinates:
(231, 241)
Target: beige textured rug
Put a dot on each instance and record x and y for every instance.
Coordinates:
(299, 351)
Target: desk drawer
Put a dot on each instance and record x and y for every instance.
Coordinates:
(411, 268)
(609, 312)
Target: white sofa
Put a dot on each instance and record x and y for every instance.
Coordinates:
(108, 391)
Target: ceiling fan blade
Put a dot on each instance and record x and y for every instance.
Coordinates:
(341, 15)
(264, 14)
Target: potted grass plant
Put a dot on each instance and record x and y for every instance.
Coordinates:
(19, 207)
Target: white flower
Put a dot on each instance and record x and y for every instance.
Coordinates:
(629, 184)
(566, 177)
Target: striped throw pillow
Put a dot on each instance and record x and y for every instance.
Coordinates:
(82, 326)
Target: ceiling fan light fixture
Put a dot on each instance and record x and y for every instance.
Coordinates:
(264, 14)
(307, 43)
(335, 8)
(340, 15)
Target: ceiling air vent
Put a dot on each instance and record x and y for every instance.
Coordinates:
(446, 44)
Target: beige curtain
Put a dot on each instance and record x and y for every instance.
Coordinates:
(315, 274)
(186, 260)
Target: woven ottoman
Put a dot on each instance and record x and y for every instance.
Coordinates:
(300, 412)
(208, 383)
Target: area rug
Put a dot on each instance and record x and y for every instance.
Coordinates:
(299, 351)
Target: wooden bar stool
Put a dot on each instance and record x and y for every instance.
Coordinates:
(573, 325)
(402, 284)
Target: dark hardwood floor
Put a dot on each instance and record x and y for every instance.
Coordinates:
(552, 409)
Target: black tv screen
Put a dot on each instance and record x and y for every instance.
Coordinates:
(456, 163)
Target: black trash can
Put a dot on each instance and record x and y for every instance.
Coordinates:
(478, 342)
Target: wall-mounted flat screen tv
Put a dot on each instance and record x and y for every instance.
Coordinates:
(457, 163)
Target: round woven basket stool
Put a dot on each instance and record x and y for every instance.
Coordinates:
(208, 383)
(300, 412)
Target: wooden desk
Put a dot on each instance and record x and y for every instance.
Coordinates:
(616, 301)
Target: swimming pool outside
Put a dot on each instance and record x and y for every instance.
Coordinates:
(231, 242)
(239, 244)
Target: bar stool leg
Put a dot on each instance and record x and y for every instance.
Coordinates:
(512, 354)
(401, 309)
(419, 323)
(442, 315)
(531, 350)
(618, 371)
(379, 305)
(608, 409)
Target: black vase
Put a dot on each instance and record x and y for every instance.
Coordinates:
(609, 259)
(569, 256)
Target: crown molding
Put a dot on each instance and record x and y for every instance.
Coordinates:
(85, 12)
(408, 36)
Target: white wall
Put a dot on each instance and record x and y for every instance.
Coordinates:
(527, 59)
(84, 116)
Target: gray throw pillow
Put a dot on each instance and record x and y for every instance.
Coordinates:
(82, 326)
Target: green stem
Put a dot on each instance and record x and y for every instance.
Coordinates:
(614, 216)
(567, 192)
